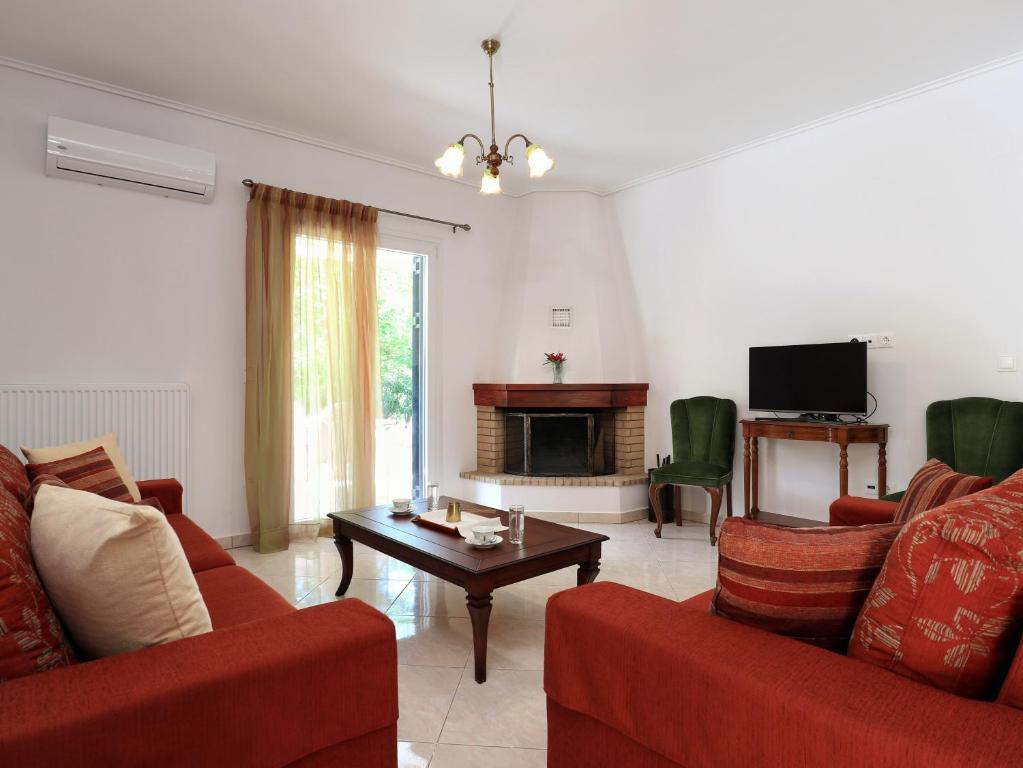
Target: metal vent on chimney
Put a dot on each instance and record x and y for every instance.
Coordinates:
(561, 317)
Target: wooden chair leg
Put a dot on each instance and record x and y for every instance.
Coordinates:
(728, 493)
(678, 504)
(715, 508)
(655, 502)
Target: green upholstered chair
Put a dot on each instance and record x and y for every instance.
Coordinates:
(975, 436)
(703, 440)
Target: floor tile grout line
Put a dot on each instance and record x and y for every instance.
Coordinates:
(447, 714)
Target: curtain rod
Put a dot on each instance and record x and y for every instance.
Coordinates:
(454, 227)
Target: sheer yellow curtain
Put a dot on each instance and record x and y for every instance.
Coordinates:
(312, 394)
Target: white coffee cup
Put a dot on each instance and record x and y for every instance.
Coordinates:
(401, 505)
(483, 534)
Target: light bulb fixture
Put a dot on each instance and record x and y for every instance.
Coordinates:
(491, 184)
(450, 163)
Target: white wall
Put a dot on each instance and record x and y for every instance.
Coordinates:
(905, 219)
(108, 285)
(568, 253)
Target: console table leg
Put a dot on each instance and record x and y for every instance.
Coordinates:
(479, 613)
(587, 572)
(745, 476)
(344, 548)
(754, 478)
(843, 470)
(882, 469)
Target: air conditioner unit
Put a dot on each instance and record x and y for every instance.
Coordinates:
(103, 156)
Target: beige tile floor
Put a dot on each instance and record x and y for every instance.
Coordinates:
(447, 720)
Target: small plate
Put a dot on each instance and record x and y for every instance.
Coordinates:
(493, 542)
(402, 512)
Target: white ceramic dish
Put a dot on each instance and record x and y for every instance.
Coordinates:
(402, 512)
(489, 545)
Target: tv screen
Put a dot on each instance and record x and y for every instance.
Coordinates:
(809, 378)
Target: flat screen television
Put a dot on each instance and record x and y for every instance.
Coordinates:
(809, 379)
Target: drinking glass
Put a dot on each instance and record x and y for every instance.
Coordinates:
(516, 523)
(432, 496)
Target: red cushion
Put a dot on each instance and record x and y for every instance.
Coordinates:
(92, 471)
(855, 510)
(234, 596)
(13, 477)
(936, 483)
(805, 583)
(202, 551)
(947, 608)
(31, 637)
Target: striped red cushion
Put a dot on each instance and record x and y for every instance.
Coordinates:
(935, 484)
(91, 471)
(805, 583)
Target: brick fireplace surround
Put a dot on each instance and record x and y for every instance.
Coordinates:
(625, 403)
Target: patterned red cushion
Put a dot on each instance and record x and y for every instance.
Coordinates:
(806, 583)
(13, 477)
(935, 484)
(31, 637)
(91, 471)
(947, 608)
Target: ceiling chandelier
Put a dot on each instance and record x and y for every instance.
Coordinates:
(450, 163)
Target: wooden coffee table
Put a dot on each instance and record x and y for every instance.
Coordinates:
(547, 547)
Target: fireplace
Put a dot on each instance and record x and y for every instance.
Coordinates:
(560, 431)
(553, 443)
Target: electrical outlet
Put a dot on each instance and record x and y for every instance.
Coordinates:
(870, 338)
(885, 340)
(870, 489)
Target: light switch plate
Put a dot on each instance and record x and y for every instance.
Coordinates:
(1006, 363)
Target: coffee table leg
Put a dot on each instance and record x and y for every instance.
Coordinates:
(587, 572)
(479, 612)
(344, 548)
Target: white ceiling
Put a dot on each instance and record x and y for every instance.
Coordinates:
(614, 90)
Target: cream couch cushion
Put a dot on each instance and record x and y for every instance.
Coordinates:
(115, 573)
(108, 442)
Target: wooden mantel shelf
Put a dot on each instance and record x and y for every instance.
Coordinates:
(560, 395)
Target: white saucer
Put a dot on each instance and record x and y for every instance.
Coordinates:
(402, 512)
(493, 542)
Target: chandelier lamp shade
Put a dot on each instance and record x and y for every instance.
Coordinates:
(451, 162)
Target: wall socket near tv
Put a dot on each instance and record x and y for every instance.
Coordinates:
(874, 340)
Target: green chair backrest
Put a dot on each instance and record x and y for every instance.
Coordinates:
(977, 435)
(703, 429)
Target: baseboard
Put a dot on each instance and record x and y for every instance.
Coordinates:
(236, 541)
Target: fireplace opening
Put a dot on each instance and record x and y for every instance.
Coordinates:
(559, 443)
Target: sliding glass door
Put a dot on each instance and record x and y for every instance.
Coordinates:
(399, 437)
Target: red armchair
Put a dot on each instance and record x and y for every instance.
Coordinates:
(634, 679)
(270, 686)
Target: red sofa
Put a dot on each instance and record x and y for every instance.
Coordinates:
(270, 686)
(636, 680)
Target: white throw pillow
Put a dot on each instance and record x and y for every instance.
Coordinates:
(115, 573)
(66, 451)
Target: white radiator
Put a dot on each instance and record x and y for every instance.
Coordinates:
(151, 422)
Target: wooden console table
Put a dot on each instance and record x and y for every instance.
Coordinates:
(818, 432)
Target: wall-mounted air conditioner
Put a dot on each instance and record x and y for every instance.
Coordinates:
(103, 156)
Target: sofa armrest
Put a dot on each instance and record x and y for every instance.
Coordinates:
(705, 692)
(856, 510)
(263, 693)
(168, 491)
